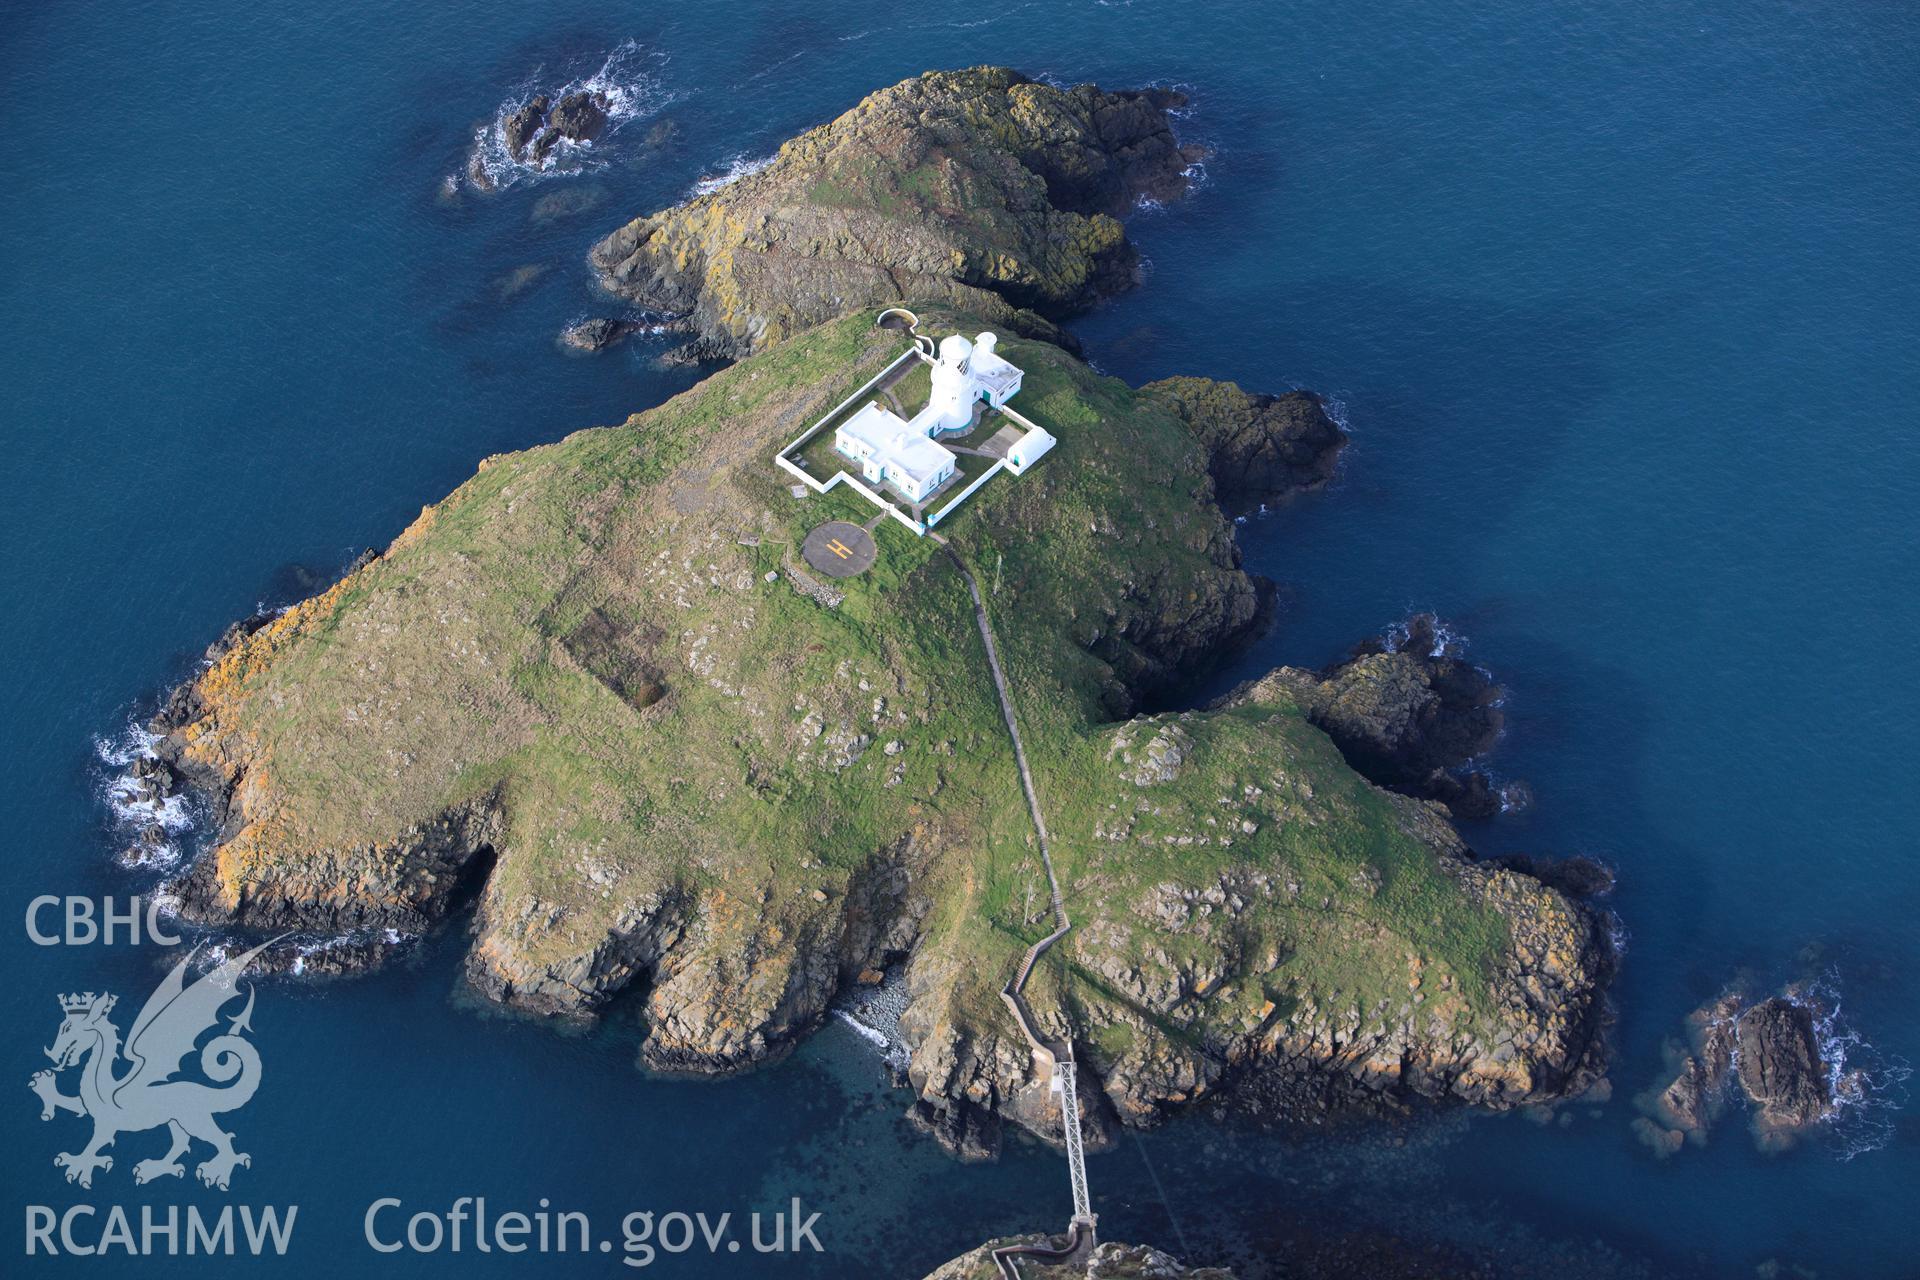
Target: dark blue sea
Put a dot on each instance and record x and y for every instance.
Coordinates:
(1619, 301)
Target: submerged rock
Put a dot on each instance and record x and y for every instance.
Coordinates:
(518, 281)
(978, 187)
(568, 202)
(1260, 448)
(1686, 1107)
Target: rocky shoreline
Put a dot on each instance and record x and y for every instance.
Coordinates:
(1261, 447)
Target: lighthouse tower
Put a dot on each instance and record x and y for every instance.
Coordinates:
(950, 407)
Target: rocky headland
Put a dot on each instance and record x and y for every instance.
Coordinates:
(1406, 711)
(1259, 446)
(980, 188)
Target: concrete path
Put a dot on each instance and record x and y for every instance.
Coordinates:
(1055, 1057)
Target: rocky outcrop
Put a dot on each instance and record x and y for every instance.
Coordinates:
(1316, 1055)
(978, 187)
(531, 133)
(1406, 711)
(583, 693)
(1260, 447)
(1780, 1070)
(1108, 1261)
(1764, 1052)
(1156, 632)
(596, 334)
(1686, 1107)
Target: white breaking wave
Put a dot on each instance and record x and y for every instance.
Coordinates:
(738, 166)
(152, 826)
(130, 744)
(648, 323)
(1196, 176)
(861, 1029)
(298, 951)
(628, 81)
(873, 1014)
(1515, 797)
(1337, 410)
(307, 950)
(1866, 1086)
(1447, 643)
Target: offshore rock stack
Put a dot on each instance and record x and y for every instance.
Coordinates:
(1776, 1054)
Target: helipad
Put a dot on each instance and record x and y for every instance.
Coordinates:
(839, 549)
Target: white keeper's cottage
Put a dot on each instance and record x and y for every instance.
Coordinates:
(907, 455)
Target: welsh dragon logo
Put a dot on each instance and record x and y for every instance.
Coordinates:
(145, 1095)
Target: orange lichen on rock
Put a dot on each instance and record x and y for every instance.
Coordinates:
(254, 653)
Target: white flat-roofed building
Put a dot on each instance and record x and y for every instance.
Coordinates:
(996, 379)
(891, 450)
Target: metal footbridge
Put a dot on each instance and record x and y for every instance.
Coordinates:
(1054, 1058)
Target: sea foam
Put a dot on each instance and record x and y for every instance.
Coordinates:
(1867, 1086)
(1446, 643)
(736, 167)
(873, 1014)
(630, 81)
(154, 828)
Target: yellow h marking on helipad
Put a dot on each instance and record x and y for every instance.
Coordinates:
(840, 549)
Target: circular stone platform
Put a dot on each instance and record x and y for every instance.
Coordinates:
(839, 549)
